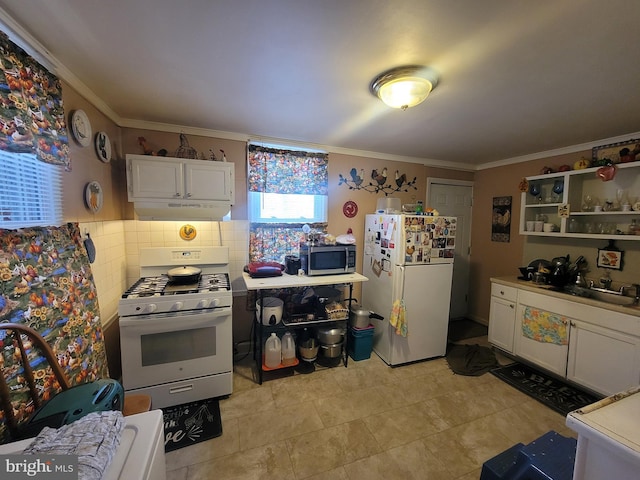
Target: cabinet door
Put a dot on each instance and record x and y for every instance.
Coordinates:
(208, 181)
(544, 352)
(603, 360)
(150, 178)
(502, 320)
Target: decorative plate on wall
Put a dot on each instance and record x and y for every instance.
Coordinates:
(93, 196)
(188, 232)
(103, 147)
(81, 127)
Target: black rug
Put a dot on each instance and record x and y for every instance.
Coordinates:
(464, 329)
(191, 423)
(555, 394)
(470, 360)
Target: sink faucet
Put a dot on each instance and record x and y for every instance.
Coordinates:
(605, 281)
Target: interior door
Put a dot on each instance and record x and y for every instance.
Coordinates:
(453, 199)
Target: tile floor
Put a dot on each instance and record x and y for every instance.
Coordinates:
(367, 421)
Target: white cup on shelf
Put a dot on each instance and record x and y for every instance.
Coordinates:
(530, 225)
(539, 225)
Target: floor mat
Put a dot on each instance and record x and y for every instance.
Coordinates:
(555, 394)
(465, 328)
(470, 360)
(191, 423)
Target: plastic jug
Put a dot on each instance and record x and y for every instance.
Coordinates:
(272, 351)
(288, 349)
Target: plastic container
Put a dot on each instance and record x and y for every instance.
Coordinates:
(288, 349)
(361, 342)
(272, 351)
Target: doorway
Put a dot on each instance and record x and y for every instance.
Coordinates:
(453, 198)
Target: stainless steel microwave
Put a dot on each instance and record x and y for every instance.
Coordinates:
(327, 259)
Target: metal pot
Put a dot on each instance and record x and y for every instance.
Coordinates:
(331, 351)
(360, 316)
(184, 275)
(330, 336)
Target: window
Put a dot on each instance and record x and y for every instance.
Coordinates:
(287, 189)
(30, 191)
(288, 208)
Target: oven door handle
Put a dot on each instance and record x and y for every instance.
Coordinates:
(154, 322)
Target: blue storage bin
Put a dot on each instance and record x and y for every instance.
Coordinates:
(360, 342)
(550, 457)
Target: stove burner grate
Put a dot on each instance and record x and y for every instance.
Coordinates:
(161, 285)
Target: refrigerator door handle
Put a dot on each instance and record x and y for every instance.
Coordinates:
(398, 284)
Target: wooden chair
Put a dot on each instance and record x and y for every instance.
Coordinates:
(131, 404)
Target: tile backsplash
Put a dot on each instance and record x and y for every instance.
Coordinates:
(118, 244)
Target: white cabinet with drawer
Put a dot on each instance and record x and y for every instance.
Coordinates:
(502, 316)
(601, 347)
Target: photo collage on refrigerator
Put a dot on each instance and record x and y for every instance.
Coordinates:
(429, 237)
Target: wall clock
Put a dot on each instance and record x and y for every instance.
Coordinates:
(81, 127)
(103, 147)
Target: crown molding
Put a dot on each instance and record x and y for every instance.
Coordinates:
(559, 151)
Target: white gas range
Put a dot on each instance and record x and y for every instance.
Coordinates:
(176, 337)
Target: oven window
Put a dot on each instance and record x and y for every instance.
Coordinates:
(177, 346)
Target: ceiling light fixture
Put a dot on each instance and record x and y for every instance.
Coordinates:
(404, 87)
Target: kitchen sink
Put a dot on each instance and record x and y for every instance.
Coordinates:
(608, 296)
(611, 297)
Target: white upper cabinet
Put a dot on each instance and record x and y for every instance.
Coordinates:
(175, 178)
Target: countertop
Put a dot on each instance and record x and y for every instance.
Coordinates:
(514, 281)
(286, 281)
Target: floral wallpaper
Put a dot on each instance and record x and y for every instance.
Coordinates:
(47, 284)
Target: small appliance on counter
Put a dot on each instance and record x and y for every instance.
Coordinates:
(327, 259)
(292, 264)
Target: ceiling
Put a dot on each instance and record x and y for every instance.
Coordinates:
(517, 77)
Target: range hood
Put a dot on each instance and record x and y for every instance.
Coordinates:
(181, 210)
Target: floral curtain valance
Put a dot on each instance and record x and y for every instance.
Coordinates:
(288, 172)
(31, 111)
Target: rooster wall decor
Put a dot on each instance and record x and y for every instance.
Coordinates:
(378, 182)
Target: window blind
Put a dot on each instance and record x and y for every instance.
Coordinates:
(30, 191)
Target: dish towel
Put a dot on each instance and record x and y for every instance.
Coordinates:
(545, 327)
(398, 318)
(94, 438)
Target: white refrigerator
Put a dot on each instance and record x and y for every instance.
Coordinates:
(408, 260)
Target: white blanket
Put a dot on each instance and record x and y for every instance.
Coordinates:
(94, 438)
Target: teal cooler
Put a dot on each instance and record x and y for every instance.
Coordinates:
(360, 342)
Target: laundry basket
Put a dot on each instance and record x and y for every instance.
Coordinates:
(185, 150)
